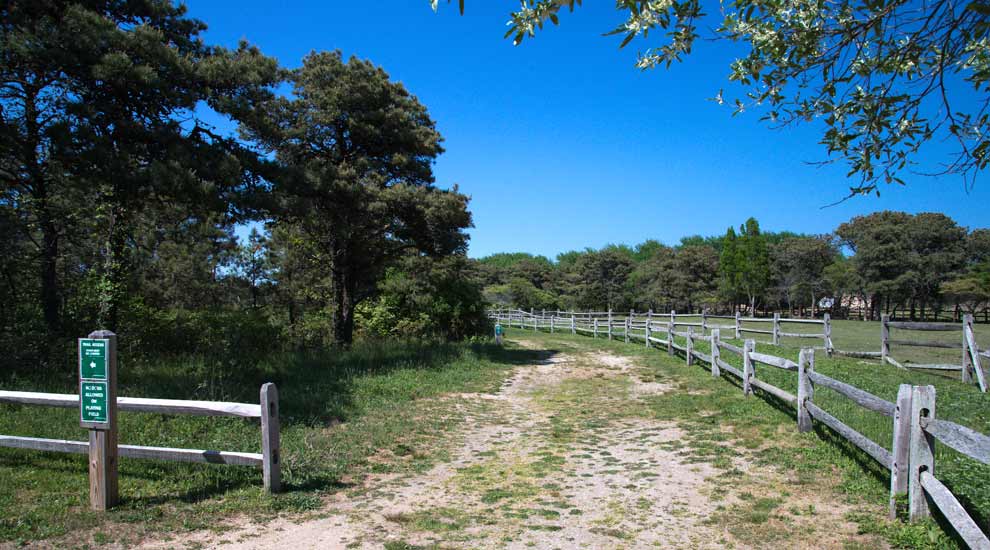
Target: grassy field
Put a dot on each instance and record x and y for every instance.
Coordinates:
(343, 414)
(764, 423)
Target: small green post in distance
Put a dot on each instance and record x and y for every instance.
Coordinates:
(498, 334)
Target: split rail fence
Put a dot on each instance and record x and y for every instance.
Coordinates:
(611, 323)
(267, 410)
(616, 323)
(911, 462)
(970, 366)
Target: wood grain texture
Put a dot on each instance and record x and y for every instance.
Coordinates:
(862, 398)
(954, 512)
(900, 449)
(965, 440)
(922, 450)
(881, 455)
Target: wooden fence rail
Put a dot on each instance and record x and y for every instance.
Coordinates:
(267, 410)
(911, 458)
(970, 365)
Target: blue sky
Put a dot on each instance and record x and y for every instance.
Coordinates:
(562, 144)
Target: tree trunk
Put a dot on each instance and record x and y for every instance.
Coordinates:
(46, 218)
(50, 300)
(114, 270)
(343, 310)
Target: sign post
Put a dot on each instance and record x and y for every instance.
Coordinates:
(98, 413)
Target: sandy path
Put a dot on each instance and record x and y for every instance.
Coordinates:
(563, 460)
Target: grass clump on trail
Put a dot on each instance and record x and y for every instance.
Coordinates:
(343, 414)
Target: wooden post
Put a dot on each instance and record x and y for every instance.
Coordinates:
(704, 321)
(670, 338)
(738, 322)
(884, 338)
(594, 321)
(673, 317)
(716, 352)
(628, 327)
(901, 447)
(646, 333)
(551, 324)
(573, 325)
(973, 351)
(827, 331)
(806, 390)
(609, 323)
(776, 329)
(103, 467)
(922, 452)
(270, 439)
(689, 356)
(748, 374)
(967, 359)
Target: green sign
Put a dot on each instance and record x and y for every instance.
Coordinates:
(93, 401)
(93, 359)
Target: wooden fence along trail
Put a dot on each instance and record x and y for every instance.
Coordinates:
(99, 404)
(268, 460)
(911, 462)
(595, 321)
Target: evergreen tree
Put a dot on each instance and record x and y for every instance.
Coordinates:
(753, 262)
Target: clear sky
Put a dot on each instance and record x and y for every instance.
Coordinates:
(563, 144)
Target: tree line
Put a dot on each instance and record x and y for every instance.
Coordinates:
(917, 266)
(119, 199)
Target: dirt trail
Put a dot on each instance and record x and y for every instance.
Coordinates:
(567, 458)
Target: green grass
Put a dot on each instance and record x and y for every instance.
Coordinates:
(705, 407)
(343, 414)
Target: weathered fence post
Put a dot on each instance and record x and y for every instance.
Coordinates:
(806, 390)
(689, 356)
(594, 322)
(646, 333)
(967, 359)
(628, 327)
(748, 374)
(673, 317)
(670, 338)
(922, 452)
(884, 338)
(716, 352)
(270, 439)
(98, 413)
(901, 447)
(551, 324)
(970, 348)
(738, 332)
(827, 332)
(776, 329)
(704, 321)
(573, 325)
(609, 323)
